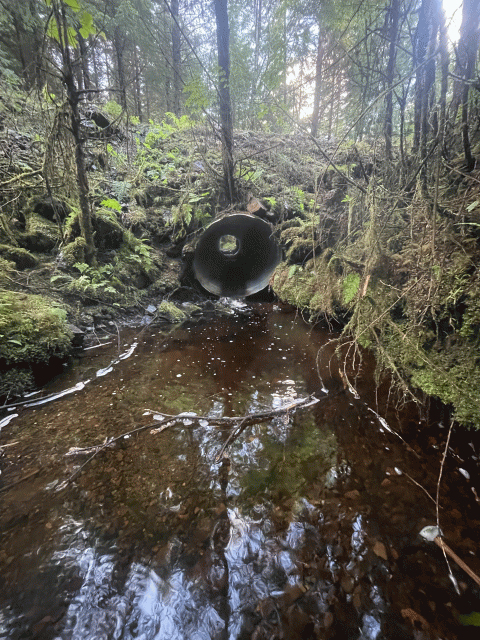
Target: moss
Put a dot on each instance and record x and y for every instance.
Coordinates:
(32, 329)
(40, 235)
(74, 252)
(171, 312)
(294, 284)
(448, 372)
(22, 258)
(7, 268)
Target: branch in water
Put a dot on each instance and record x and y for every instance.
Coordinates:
(167, 420)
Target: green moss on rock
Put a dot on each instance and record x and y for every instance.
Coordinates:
(171, 312)
(40, 235)
(32, 329)
(22, 258)
(74, 252)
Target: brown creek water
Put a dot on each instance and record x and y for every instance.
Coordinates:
(307, 526)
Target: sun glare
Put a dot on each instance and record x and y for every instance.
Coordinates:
(453, 17)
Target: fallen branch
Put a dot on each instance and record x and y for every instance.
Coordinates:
(167, 420)
(433, 534)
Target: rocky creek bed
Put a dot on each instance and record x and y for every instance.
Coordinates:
(306, 526)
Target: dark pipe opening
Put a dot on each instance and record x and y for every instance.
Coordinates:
(236, 256)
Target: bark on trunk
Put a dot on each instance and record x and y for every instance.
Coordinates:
(176, 58)
(223, 46)
(392, 56)
(318, 85)
(73, 97)
(119, 46)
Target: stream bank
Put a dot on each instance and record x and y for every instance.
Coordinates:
(397, 279)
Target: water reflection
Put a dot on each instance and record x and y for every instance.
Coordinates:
(296, 532)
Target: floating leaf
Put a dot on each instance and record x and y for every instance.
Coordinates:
(470, 619)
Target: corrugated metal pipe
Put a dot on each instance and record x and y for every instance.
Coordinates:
(236, 255)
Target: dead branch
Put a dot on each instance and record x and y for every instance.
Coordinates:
(167, 420)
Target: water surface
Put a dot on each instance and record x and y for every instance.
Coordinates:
(305, 527)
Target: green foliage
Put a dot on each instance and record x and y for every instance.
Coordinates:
(82, 18)
(112, 108)
(250, 175)
(172, 124)
(298, 199)
(111, 203)
(192, 208)
(199, 99)
(350, 285)
(94, 282)
(271, 201)
(134, 251)
(110, 282)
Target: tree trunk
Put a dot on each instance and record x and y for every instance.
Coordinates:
(119, 46)
(393, 19)
(420, 50)
(138, 90)
(176, 58)
(466, 52)
(318, 85)
(223, 47)
(466, 59)
(73, 97)
(93, 49)
(332, 100)
(428, 85)
(84, 53)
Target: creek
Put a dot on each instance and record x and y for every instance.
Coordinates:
(306, 526)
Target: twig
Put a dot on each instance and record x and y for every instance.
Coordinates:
(446, 550)
(14, 484)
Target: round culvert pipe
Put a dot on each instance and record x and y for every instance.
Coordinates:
(236, 256)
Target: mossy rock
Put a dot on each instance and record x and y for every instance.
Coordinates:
(74, 252)
(109, 233)
(21, 258)
(40, 235)
(33, 329)
(171, 312)
(6, 268)
(51, 208)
